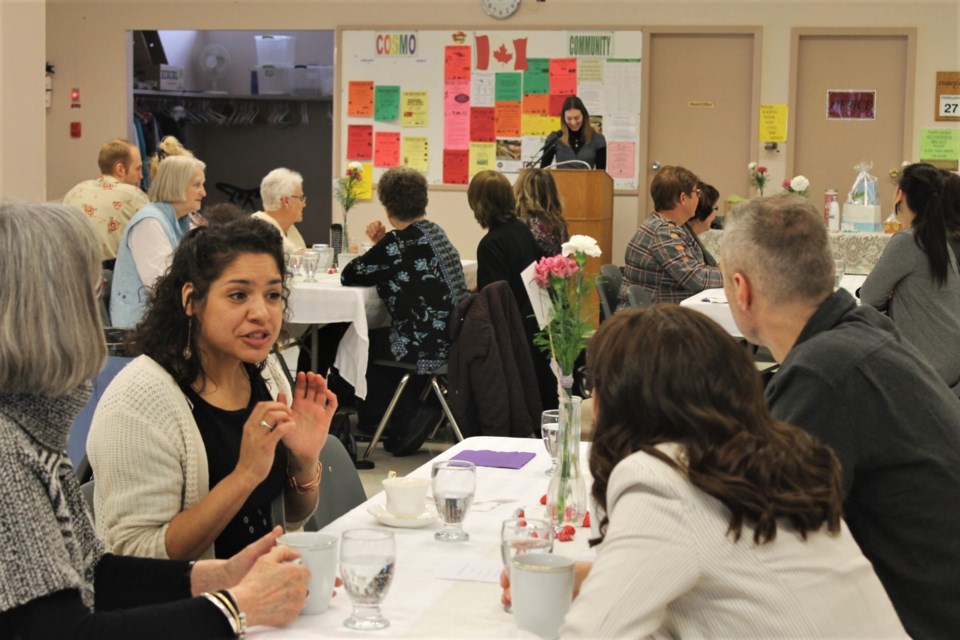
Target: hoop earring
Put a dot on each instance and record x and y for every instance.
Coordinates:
(187, 351)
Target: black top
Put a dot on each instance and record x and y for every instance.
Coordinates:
(222, 432)
(506, 250)
(895, 426)
(418, 273)
(593, 153)
(139, 598)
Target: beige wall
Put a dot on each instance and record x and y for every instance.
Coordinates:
(22, 121)
(85, 39)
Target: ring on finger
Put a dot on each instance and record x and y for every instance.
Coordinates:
(267, 425)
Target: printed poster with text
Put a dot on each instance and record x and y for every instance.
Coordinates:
(360, 99)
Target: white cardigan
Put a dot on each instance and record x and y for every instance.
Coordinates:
(148, 457)
(668, 569)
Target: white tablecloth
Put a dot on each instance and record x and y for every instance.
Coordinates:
(422, 604)
(713, 303)
(327, 301)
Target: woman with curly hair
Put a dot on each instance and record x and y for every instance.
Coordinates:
(718, 520)
(538, 205)
(198, 446)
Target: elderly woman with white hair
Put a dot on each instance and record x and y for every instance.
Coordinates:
(56, 580)
(153, 234)
(283, 201)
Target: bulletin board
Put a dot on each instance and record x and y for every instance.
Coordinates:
(450, 103)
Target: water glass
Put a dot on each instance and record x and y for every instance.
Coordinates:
(549, 428)
(454, 483)
(293, 264)
(310, 262)
(839, 268)
(366, 564)
(524, 535)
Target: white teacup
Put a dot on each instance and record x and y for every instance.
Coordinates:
(318, 552)
(406, 497)
(541, 588)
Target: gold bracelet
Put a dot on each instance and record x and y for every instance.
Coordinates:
(239, 616)
(309, 486)
(234, 621)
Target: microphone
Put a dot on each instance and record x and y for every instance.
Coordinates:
(548, 145)
(551, 140)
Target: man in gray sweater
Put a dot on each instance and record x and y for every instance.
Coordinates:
(847, 376)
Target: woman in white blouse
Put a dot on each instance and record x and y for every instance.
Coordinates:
(721, 522)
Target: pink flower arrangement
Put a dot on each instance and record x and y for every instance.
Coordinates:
(758, 176)
(558, 266)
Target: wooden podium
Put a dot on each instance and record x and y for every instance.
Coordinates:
(587, 197)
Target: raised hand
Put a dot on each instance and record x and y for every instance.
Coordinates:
(312, 411)
(376, 231)
(267, 425)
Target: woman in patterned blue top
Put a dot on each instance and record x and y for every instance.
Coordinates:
(418, 274)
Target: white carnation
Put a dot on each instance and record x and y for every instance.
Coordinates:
(581, 244)
(751, 166)
(355, 165)
(800, 183)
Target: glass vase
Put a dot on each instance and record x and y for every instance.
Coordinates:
(345, 239)
(567, 492)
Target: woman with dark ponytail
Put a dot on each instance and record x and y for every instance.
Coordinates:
(717, 520)
(916, 278)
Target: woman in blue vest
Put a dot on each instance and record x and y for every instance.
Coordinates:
(153, 234)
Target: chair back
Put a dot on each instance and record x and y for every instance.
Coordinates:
(608, 288)
(340, 488)
(107, 275)
(638, 297)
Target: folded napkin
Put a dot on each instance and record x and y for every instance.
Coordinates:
(498, 459)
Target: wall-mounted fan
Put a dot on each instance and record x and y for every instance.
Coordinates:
(214, 61)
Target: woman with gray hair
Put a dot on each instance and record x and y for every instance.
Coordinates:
(56, 581)
(152, 235)
(283, 203)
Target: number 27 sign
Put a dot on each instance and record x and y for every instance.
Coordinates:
(948, 95)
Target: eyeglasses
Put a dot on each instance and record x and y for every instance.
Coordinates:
(302, 199)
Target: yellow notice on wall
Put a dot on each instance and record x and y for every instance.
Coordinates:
(483, 156)
(366, 185)
(773, 123)
(414, 153)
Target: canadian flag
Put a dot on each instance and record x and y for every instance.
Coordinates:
(500, 51)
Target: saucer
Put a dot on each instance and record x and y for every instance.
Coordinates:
(384, 517)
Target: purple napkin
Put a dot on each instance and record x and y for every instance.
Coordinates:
(498, 459)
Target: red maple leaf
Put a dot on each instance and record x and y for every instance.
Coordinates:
(502, 55)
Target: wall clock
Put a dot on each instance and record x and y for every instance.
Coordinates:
(499, 9)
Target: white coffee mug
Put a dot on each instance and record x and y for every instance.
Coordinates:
(406, 497)
(541, 587)
(318, 552)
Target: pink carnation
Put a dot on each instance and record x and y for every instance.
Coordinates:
(761, 170)
(786, 183)
(554, 266)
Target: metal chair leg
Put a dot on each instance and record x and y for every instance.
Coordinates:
(386, 415)
(446, 408)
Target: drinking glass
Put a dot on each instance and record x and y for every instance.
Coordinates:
(524, 535)
(839, 268)
(549, 427)
(293, 264)
(310, 263)
(366, 565)
(454, 483)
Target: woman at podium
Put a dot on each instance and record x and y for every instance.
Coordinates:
(576, 140)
